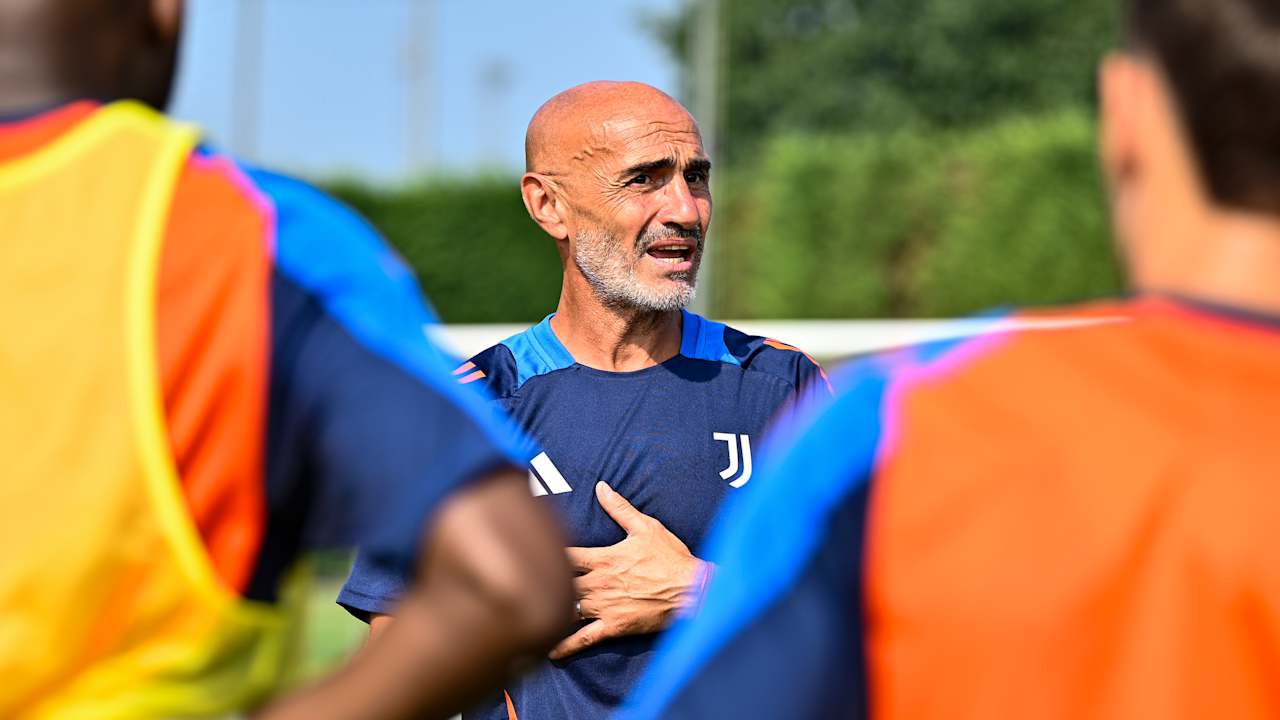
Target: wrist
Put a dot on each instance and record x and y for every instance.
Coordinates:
(702, 573)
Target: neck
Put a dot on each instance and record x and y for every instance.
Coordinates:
(30, 72)
(23, 88)
(610, 338)
(1230, 258)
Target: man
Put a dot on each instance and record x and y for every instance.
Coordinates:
(645, 414)
(207, 371)
(1052, 524)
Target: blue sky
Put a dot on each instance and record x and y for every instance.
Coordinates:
(335, 77)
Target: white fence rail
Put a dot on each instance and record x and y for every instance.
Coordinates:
(824, 339)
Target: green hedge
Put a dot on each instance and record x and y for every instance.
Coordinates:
(478, 255)
(916, 226)
(898, 225)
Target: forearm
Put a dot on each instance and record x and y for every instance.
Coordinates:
(493, 592)
(446, 650)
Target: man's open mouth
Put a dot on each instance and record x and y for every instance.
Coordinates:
(671, 253)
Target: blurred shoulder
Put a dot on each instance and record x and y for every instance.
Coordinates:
(343, 265)
(318, 236)
(1009, 364)
(338, 258)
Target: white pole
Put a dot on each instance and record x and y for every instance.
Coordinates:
(248, 79)
(419, 84)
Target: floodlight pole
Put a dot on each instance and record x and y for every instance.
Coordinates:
(419, 76)
(494, 84)
(705, 60)
(248, 78)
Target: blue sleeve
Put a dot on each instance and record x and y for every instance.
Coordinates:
(368, 431)
(779, 633)
(373, 587)
(784, 361)
(812, 384)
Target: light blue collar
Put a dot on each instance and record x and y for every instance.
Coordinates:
(537, 351)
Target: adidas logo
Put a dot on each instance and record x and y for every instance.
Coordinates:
(545, 477)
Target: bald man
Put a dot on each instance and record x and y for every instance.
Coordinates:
(645, 415)
(207, 371)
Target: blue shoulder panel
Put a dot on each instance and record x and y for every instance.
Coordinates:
(703, 339)
(334, 254)
(537, 351)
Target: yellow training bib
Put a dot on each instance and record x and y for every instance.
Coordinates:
(109, 607)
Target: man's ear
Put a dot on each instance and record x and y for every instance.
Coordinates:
(542, 202)
(166, 16)
(1119, 96)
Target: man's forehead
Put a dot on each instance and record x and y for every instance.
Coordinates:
(633, 127)
(636, 134)
(603, 122)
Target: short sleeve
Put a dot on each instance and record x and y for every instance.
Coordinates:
(373, 587)
(812, 384)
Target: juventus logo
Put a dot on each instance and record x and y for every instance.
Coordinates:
(733, 441)
(545, 476)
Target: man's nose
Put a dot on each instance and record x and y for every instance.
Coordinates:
(681, 207)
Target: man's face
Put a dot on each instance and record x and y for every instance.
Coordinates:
(642, 205)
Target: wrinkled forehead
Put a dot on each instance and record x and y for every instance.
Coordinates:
(641, 134)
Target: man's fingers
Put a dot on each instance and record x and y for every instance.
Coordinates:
(587, 609)
(583, 585)
(587, 635)
(584, 559)
(622, 512)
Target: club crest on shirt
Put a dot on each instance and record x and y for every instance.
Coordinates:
(739, 447)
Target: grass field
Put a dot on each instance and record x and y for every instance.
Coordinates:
(330, 634)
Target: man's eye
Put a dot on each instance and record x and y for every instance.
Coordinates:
(641, 179)
(696, 176)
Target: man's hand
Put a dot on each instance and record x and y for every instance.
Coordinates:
(634, 587)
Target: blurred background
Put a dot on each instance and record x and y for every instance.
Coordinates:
(874, 158)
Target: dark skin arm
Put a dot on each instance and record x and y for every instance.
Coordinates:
(493, 594)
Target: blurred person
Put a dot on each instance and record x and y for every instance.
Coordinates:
(1073, 523)
(208, 370)
(645, 414)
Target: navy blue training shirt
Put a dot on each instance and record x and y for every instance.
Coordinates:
(674, 439)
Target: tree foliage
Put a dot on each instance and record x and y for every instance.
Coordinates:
(476, 252)
(847, 65)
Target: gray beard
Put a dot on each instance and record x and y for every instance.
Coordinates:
(611, 273)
